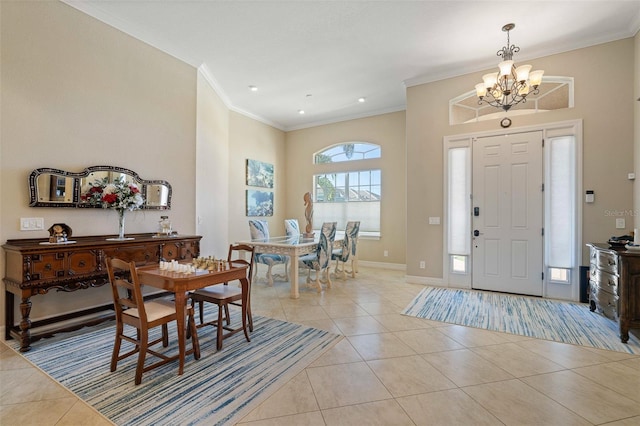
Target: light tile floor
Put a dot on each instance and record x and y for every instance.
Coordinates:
(391, 369)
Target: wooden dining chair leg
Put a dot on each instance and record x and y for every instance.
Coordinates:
(195, 343)
(201, 311)
(249, 316)
(226, 312)
(116, 346)
(143, 345)
(165, 335)
(219, 328)
(244, 328)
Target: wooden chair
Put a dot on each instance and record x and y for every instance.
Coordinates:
(131, 309)
(225, 295)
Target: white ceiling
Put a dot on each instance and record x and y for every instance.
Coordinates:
(339, 51)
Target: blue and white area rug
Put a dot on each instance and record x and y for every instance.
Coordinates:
(220, 388)
(526, 316)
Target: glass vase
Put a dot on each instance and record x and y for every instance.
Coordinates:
(121, 224)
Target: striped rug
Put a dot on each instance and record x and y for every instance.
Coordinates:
(219, 389)
(526, 316)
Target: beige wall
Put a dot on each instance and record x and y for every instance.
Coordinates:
(212, 165)
(602, 75)
(387, 130)
(77, 93)
(251, 139)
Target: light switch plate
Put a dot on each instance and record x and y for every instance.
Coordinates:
(434, 221)
(31, 223)
(620, 223)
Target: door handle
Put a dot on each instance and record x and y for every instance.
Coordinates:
(476, 233)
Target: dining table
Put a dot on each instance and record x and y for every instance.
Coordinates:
(181, 283)
(292, 246)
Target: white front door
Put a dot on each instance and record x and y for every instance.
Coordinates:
(508, 213)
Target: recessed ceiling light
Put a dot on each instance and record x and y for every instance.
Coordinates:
(253, 88)
(300, 111)
(361, 100)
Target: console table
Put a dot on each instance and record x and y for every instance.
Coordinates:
(614, 285)
(34, 266)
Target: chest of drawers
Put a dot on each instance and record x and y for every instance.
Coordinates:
(614, 285)
(34, 267)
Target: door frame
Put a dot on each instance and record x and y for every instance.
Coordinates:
(550, 289)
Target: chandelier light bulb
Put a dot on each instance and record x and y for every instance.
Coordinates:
(535, 78)
(505, 68)
(490, 80)
(522, 72)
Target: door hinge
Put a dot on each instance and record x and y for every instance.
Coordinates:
(542, 187)
(543, 143)
(542, 276)
(542, 232)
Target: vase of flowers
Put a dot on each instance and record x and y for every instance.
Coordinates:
(118, 195)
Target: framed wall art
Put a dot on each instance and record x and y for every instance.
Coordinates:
(259, 203)
(259, 174)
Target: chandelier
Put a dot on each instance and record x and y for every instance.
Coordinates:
(510, 85)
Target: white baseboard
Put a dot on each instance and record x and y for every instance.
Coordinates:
(436, 282)
(383, 265)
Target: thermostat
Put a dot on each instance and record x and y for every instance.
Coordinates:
(589, 197)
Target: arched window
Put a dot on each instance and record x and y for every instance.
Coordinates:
(350, 193)
(350, 151)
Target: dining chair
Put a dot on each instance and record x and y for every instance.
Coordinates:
(320, 260)
(131, 309)
(259, 230)
(347, 250)
(224, 295)
(291, 227)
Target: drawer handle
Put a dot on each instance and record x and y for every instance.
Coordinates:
(611, 283)
(612, 262)
(47, 267)
(81, 263)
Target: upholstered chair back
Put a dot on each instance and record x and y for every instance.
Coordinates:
(351, 233)
(291, 227)
(259, 229)
(325, 245)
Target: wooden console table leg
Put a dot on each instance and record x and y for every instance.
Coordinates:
(25, 325)
(8, 314)
(624, 332)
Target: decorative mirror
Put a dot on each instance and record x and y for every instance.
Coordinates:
(58, 188)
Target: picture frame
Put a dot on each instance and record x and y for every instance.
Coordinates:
(260, 174)
(259, 203)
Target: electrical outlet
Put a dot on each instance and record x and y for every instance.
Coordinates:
(386, 253)
(422, 264)
(434, 220)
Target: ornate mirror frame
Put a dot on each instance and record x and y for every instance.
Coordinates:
(58, 188)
